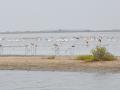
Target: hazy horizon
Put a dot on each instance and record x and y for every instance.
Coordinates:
(35, 15)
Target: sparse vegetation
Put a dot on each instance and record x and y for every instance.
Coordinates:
(101, 54)
(98, 54)
(85, 57)
(51, 57)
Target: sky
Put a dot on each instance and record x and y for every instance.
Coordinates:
(34, 15)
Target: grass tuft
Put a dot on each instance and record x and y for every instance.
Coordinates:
(85, 57)
(51, 57)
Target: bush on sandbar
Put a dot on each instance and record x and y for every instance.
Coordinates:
(98, 54)
(101, 54)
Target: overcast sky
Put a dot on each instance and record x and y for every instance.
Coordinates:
(16, 15)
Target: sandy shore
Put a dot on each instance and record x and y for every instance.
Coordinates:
(63, 63)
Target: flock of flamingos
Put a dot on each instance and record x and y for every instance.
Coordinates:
(31, 45)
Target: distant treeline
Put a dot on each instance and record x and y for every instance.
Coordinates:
(58, 31)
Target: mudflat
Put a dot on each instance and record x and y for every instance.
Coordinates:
(59, 63)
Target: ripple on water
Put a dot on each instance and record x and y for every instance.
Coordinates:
(44, 80)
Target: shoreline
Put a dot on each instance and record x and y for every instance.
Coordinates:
(60, 63)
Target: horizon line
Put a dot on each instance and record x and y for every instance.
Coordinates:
(59, 31)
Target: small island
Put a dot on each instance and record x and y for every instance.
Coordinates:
(60, 63)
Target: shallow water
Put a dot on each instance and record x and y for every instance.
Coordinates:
(45, 80)
(58, 43)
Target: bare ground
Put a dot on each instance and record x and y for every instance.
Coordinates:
(61, 63)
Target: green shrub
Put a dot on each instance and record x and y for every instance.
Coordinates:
(85, 57)
(108, 57)
(98, 54)
(101, 54)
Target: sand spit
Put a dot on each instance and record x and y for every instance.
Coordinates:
(60, 63)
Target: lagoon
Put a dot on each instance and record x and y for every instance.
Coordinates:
(57, 43)
(48, 80)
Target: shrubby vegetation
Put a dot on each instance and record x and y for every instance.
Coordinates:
(101, 54)
(51, 57)
(98, 54)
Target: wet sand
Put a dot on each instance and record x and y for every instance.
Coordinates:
(61, 63)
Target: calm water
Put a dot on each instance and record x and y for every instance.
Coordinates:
(58, 43)
(39, 80)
